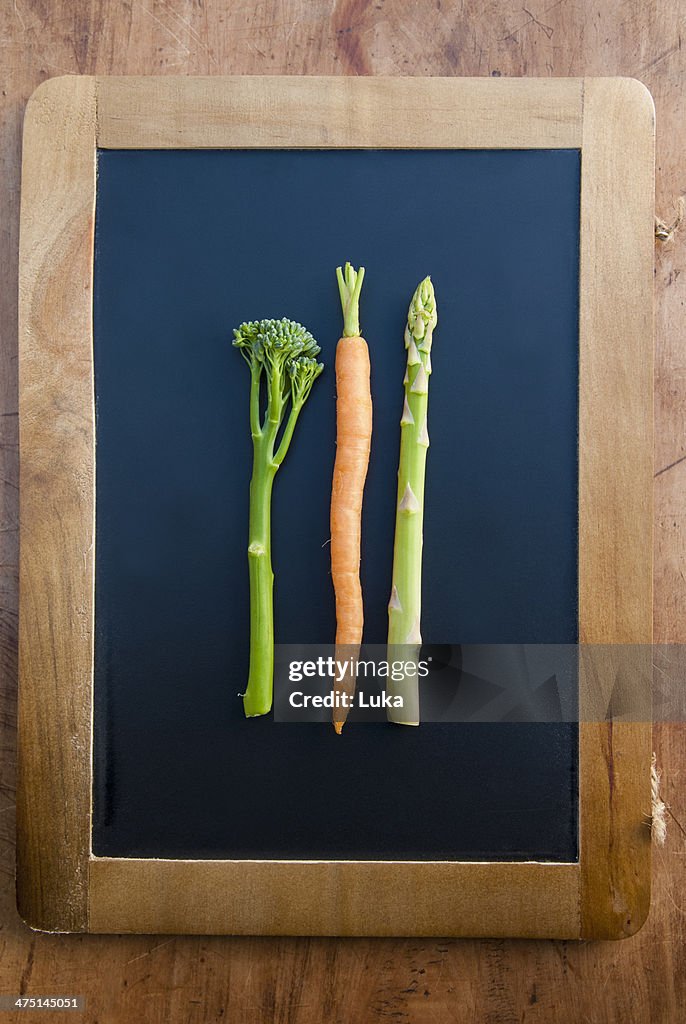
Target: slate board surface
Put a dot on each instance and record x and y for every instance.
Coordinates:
(189, 244)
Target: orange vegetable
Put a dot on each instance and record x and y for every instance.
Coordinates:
(353, 441)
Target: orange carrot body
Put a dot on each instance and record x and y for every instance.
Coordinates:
(353, 433)
(353, 440)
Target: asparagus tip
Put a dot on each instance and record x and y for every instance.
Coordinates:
(421, 316)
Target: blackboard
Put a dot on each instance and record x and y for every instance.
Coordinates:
(189, 244)
(531, 203)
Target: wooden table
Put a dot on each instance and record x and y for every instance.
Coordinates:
(304, 981)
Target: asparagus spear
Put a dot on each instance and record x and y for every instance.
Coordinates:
(281, 355)
(405, 605)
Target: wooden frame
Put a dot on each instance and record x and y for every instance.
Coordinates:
(61, 885)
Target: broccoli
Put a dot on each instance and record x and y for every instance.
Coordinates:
(282, 354)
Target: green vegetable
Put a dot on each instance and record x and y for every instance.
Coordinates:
(281, 356)
(405, 606)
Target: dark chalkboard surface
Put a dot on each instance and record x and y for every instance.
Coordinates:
(189, 244)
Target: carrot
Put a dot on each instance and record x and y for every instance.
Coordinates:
(353, 440)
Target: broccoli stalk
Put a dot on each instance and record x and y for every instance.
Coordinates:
(281, 357)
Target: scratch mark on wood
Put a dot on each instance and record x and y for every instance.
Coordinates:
(670, 466)
(660, 58)
(149, 952)
(167, 29)
(533, 20)
(28, 969)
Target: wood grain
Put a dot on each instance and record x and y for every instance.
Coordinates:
(302, 981)
(352, 113)
(335, 898)
(615, 491)
(56, 514)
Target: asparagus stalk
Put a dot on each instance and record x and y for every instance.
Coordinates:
(405, 605)
(281, 356)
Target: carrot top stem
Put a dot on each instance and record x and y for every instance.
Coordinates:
(349, 287)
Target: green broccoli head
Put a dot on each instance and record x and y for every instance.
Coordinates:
(274, 343)
(280, 353)
(303, 372)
